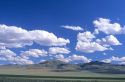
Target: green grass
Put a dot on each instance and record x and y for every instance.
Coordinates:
(31, 79)
(38, 72)
(26, 75)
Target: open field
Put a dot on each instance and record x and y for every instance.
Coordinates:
(39, 72)
(25, 78)
(24, 75)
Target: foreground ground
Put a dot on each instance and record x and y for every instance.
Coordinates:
(38, 72)
(33, 75)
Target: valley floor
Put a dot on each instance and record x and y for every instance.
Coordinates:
(39, 72)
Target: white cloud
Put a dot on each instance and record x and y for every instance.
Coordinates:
(74, 57)
(14, 37)
(62, 58)
(48, 39)
(86, 44)
(118, 60)
(85, 36)
(107, 60)
(11, 57)
(105, 25)
(89, 47)
(33, 53)
(109, 40)
(7, 53)
(58, 50)
(20, 60)
(79, 58)
(75, 28)
(96, 31)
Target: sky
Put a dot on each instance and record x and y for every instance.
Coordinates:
(73, 31)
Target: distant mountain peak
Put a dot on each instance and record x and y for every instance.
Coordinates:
(60, 66)
(96, 62)
(52, 62)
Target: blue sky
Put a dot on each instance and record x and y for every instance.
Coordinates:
(53, 16)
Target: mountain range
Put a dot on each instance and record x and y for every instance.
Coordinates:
(59, 66)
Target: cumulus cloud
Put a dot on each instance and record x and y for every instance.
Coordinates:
(96, 31)
(89, 47)
(75, 28)
(62, 58)
(85, 36)
(58, 50)
(89, 43)
(11, 57)
(33, 53)
(79, 58)
(7, 53)
(118, 60)
(20, 60)
(15, 37)
(105, 25)
(72, 58)
(86, 44)
(48, 39)
(109, 40)
(107, 60)
(12, 36)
